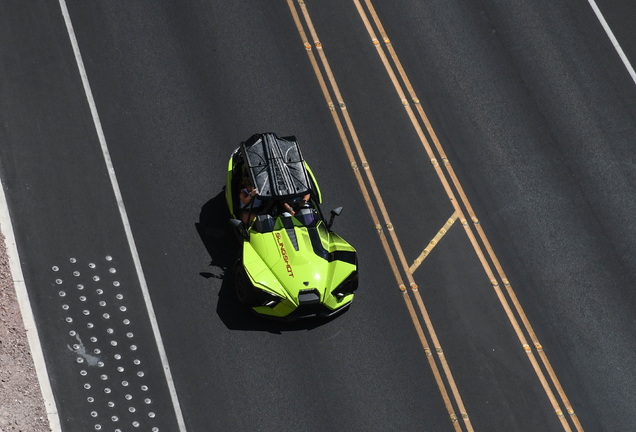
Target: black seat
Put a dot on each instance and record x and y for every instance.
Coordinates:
(264, 223)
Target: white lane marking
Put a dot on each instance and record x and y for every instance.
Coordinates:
(617, 46)
(124, 216)
(27, 314)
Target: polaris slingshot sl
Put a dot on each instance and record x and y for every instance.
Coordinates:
(291, 264)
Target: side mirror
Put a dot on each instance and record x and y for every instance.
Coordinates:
(240, 228)
(335, 212)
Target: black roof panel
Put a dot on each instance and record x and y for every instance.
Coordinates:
(276, 166)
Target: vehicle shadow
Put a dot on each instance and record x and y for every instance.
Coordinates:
(219, 239)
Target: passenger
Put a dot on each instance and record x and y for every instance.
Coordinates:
(250, 203)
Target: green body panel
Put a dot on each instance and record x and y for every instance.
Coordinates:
(273, 264)
(313, 179)
(229, 193)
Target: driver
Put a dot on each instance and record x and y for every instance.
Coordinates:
(278, 207)
(302, 203)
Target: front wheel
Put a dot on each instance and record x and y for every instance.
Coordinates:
(244, 290)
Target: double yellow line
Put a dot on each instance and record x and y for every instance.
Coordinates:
(376, 219)
(480, 231)
(458, 213)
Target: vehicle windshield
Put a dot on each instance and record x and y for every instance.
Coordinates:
(307, 217)
(266, 223)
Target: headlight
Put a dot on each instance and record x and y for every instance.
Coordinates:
(266, 298)
(348, 286)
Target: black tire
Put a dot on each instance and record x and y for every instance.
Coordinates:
(245, 292)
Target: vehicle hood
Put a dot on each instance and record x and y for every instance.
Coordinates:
(290, 255)
(294, 261)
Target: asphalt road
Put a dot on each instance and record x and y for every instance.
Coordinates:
(533, 107)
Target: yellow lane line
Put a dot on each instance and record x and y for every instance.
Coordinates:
(368, 201)
(479, 228)
(346, 145)
(385, 215)
(473, 241)
(469, 208)
(427, 250)
(431, 362)
(458, 210)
